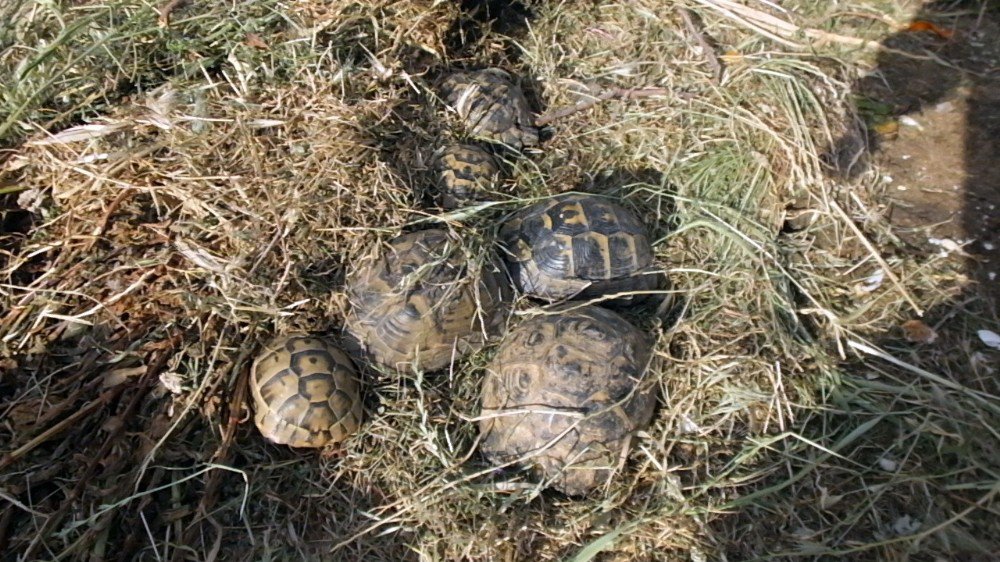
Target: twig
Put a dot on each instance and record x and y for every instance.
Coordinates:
(210, 496)
(71, 401)
(106, 219)
(58, 428)
(620, 93)
(5, 519)
(143, 386)
(12, 188)
(779, 30)
(164, 19)
(706, 47)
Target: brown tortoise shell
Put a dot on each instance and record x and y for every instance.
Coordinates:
(305, 392)
(567, 392)
(422, 304)
(465, 174)
(492, 107)
(578, 246)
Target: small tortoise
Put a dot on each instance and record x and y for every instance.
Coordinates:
(305, 392)
(464, 174)
(492, 107)
(422, 304)
(578, 246)
(566, 392)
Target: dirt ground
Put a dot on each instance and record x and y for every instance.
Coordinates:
(933, 104)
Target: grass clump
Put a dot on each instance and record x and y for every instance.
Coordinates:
(223, 187)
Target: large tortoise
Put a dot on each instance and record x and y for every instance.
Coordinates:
(423, 303)
(491, 106)
(564, 395)
(305, 392)
(578, 246)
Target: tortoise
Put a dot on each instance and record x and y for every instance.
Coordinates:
(565, 393)
(422, 304)
(305, 392)
(578, 246)
(464, 173)
(491, 106)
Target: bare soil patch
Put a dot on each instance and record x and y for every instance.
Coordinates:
(936, 122)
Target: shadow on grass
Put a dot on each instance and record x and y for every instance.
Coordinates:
(191, 503)
(485, 34)
(948, 72)
(913, 476)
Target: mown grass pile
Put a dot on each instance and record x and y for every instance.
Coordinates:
(200, 180)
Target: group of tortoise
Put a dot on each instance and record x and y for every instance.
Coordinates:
(564, 392)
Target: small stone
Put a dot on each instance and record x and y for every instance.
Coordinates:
(944, 107)
(888, 465)
(910, 122)
(990, 338)
(906, 525)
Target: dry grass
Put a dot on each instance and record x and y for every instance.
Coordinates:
(237, 161)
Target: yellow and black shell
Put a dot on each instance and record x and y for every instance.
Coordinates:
(423, 303)
(464, 174)
(578, 246)
(492, 107)
(306, 392)
(566, 393)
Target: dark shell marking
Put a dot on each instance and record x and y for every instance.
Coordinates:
(305, 392)
(464, 174)
(567, 389)
(578, 245)
(419, 305)
(492, 107)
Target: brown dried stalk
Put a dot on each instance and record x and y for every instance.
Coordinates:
(707, 49)
(619, 93)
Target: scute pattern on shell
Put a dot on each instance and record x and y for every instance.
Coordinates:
(578, 246)
(492, 107)
(465, 173)
(305, 392)
(569, 390)
(420, 304)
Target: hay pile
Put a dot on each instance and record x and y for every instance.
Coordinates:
(191, 183)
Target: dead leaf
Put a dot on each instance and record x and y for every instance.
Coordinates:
(923, 25)
(200, 256)
(731, 57)
(22, 414)
(255, 41)
(827, 500)
(112, 424)
(918, 332)
(888, 129)
(173, 382)
(79, 133)
(116, 377)
(15, 163)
